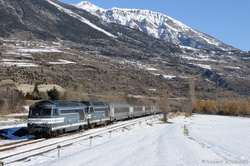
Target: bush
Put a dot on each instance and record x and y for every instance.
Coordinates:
(205, 107)
(233, 108)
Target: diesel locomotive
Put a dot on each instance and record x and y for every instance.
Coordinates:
(52, 118)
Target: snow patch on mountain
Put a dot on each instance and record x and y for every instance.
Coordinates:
(62, 62)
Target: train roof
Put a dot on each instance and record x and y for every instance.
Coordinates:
(95, 103)
(119, 105)
(57, 104)
(128, 105)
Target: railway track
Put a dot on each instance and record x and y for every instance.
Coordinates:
(22, 150)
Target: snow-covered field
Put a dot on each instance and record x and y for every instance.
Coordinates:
(208, 140)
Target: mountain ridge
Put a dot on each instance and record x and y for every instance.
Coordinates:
(157, 25)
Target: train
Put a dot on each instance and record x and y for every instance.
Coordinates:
(52, 118)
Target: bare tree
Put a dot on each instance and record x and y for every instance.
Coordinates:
(11, 100)
(164, 104)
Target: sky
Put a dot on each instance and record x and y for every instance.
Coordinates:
(225, 20)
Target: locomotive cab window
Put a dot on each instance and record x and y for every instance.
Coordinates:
(40, 112)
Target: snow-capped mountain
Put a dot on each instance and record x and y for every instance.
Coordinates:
(157, 25)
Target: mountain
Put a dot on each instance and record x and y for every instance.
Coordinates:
(52, 20)
(41, 19)
(106, 56)
(157, 25)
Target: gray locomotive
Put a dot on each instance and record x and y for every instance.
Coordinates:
(51, 118)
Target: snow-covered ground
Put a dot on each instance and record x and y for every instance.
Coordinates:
(227, 137)
(208, 140)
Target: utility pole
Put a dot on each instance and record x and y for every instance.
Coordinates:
(191, 96)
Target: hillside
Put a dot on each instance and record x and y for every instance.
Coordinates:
(93, 74)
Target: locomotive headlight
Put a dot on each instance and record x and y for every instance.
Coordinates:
(30, 123)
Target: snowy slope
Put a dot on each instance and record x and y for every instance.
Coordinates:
(211, 140)
(155, 24)
(82, 19)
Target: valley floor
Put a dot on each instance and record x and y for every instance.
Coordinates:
(207, 140)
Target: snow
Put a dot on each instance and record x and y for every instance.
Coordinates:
(20, 114)
(12, 60)
(166, 76)
(210, 140)
(33, 50)
(232, 67)
(202, 66)
(131, 17)
(153, 90)
(19, 64)
(148, 146)
(208, 39)
(189, 48)
(82, 19)
(11, 123)
(225, 136)
(152, 23)
(151, 69)
(62, 62)
(16, 62)
(199, 58)
(140, 96)
(16, 53)
(89, 7)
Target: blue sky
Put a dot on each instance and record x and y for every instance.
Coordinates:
(226, 20)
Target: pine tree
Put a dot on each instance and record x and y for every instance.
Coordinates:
(54, 94)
